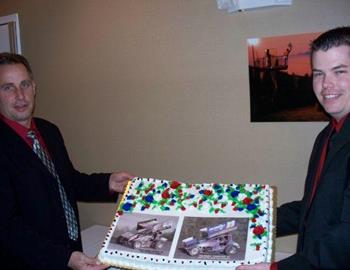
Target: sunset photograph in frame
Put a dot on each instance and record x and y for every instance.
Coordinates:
(280, 79)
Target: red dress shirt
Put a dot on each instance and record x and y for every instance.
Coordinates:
(22, 131)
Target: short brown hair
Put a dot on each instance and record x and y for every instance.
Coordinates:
(12, 58)
(332, 38)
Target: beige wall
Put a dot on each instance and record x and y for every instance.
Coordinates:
(160, 88)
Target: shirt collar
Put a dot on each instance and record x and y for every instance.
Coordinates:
(337, 125)
(18, 128)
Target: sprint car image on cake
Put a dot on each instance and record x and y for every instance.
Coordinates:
(148, 235)
(215, 239)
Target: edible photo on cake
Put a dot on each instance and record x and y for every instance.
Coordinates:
(212, 238)
(144, 233)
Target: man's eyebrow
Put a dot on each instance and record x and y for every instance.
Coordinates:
(5, 84)
(333, 68)
(340, 66)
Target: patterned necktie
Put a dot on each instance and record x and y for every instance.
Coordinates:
(71, 220)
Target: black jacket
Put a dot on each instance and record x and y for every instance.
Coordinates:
(324, 227)
(33, 232)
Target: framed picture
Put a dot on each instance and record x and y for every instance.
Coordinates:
(9, 34)
(280, 79)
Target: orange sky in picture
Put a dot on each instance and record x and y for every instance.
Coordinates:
(298, 63)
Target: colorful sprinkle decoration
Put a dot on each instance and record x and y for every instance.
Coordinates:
(150, 194)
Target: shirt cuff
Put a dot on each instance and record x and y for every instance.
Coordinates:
(274, 266)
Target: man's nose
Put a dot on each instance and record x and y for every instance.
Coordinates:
(19, 93)
(328, 82)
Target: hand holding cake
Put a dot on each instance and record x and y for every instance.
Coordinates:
(79, 261)
(119, 180)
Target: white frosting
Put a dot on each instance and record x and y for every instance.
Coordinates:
(250, 203)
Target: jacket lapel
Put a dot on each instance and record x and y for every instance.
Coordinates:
(337, 142)
(310, 178)
(19, 151)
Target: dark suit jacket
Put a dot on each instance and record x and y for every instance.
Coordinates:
(33, 232)
(324, 227)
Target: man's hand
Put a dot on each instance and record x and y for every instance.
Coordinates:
(79, 261)
(119, 180)
(258, 266)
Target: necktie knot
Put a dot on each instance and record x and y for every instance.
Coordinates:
(36, 144)
(31, 134)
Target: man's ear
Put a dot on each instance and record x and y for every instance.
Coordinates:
(34, 87)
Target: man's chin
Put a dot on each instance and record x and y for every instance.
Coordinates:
(336, 115)
(22, 118)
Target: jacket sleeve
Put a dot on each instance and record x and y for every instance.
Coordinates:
(332, 250)
(288, 218)
(86, 187)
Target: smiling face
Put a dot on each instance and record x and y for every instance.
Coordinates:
(17, 94)
(331, 80)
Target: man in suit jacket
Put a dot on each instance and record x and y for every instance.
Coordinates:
(322, 217)
(33, 225)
